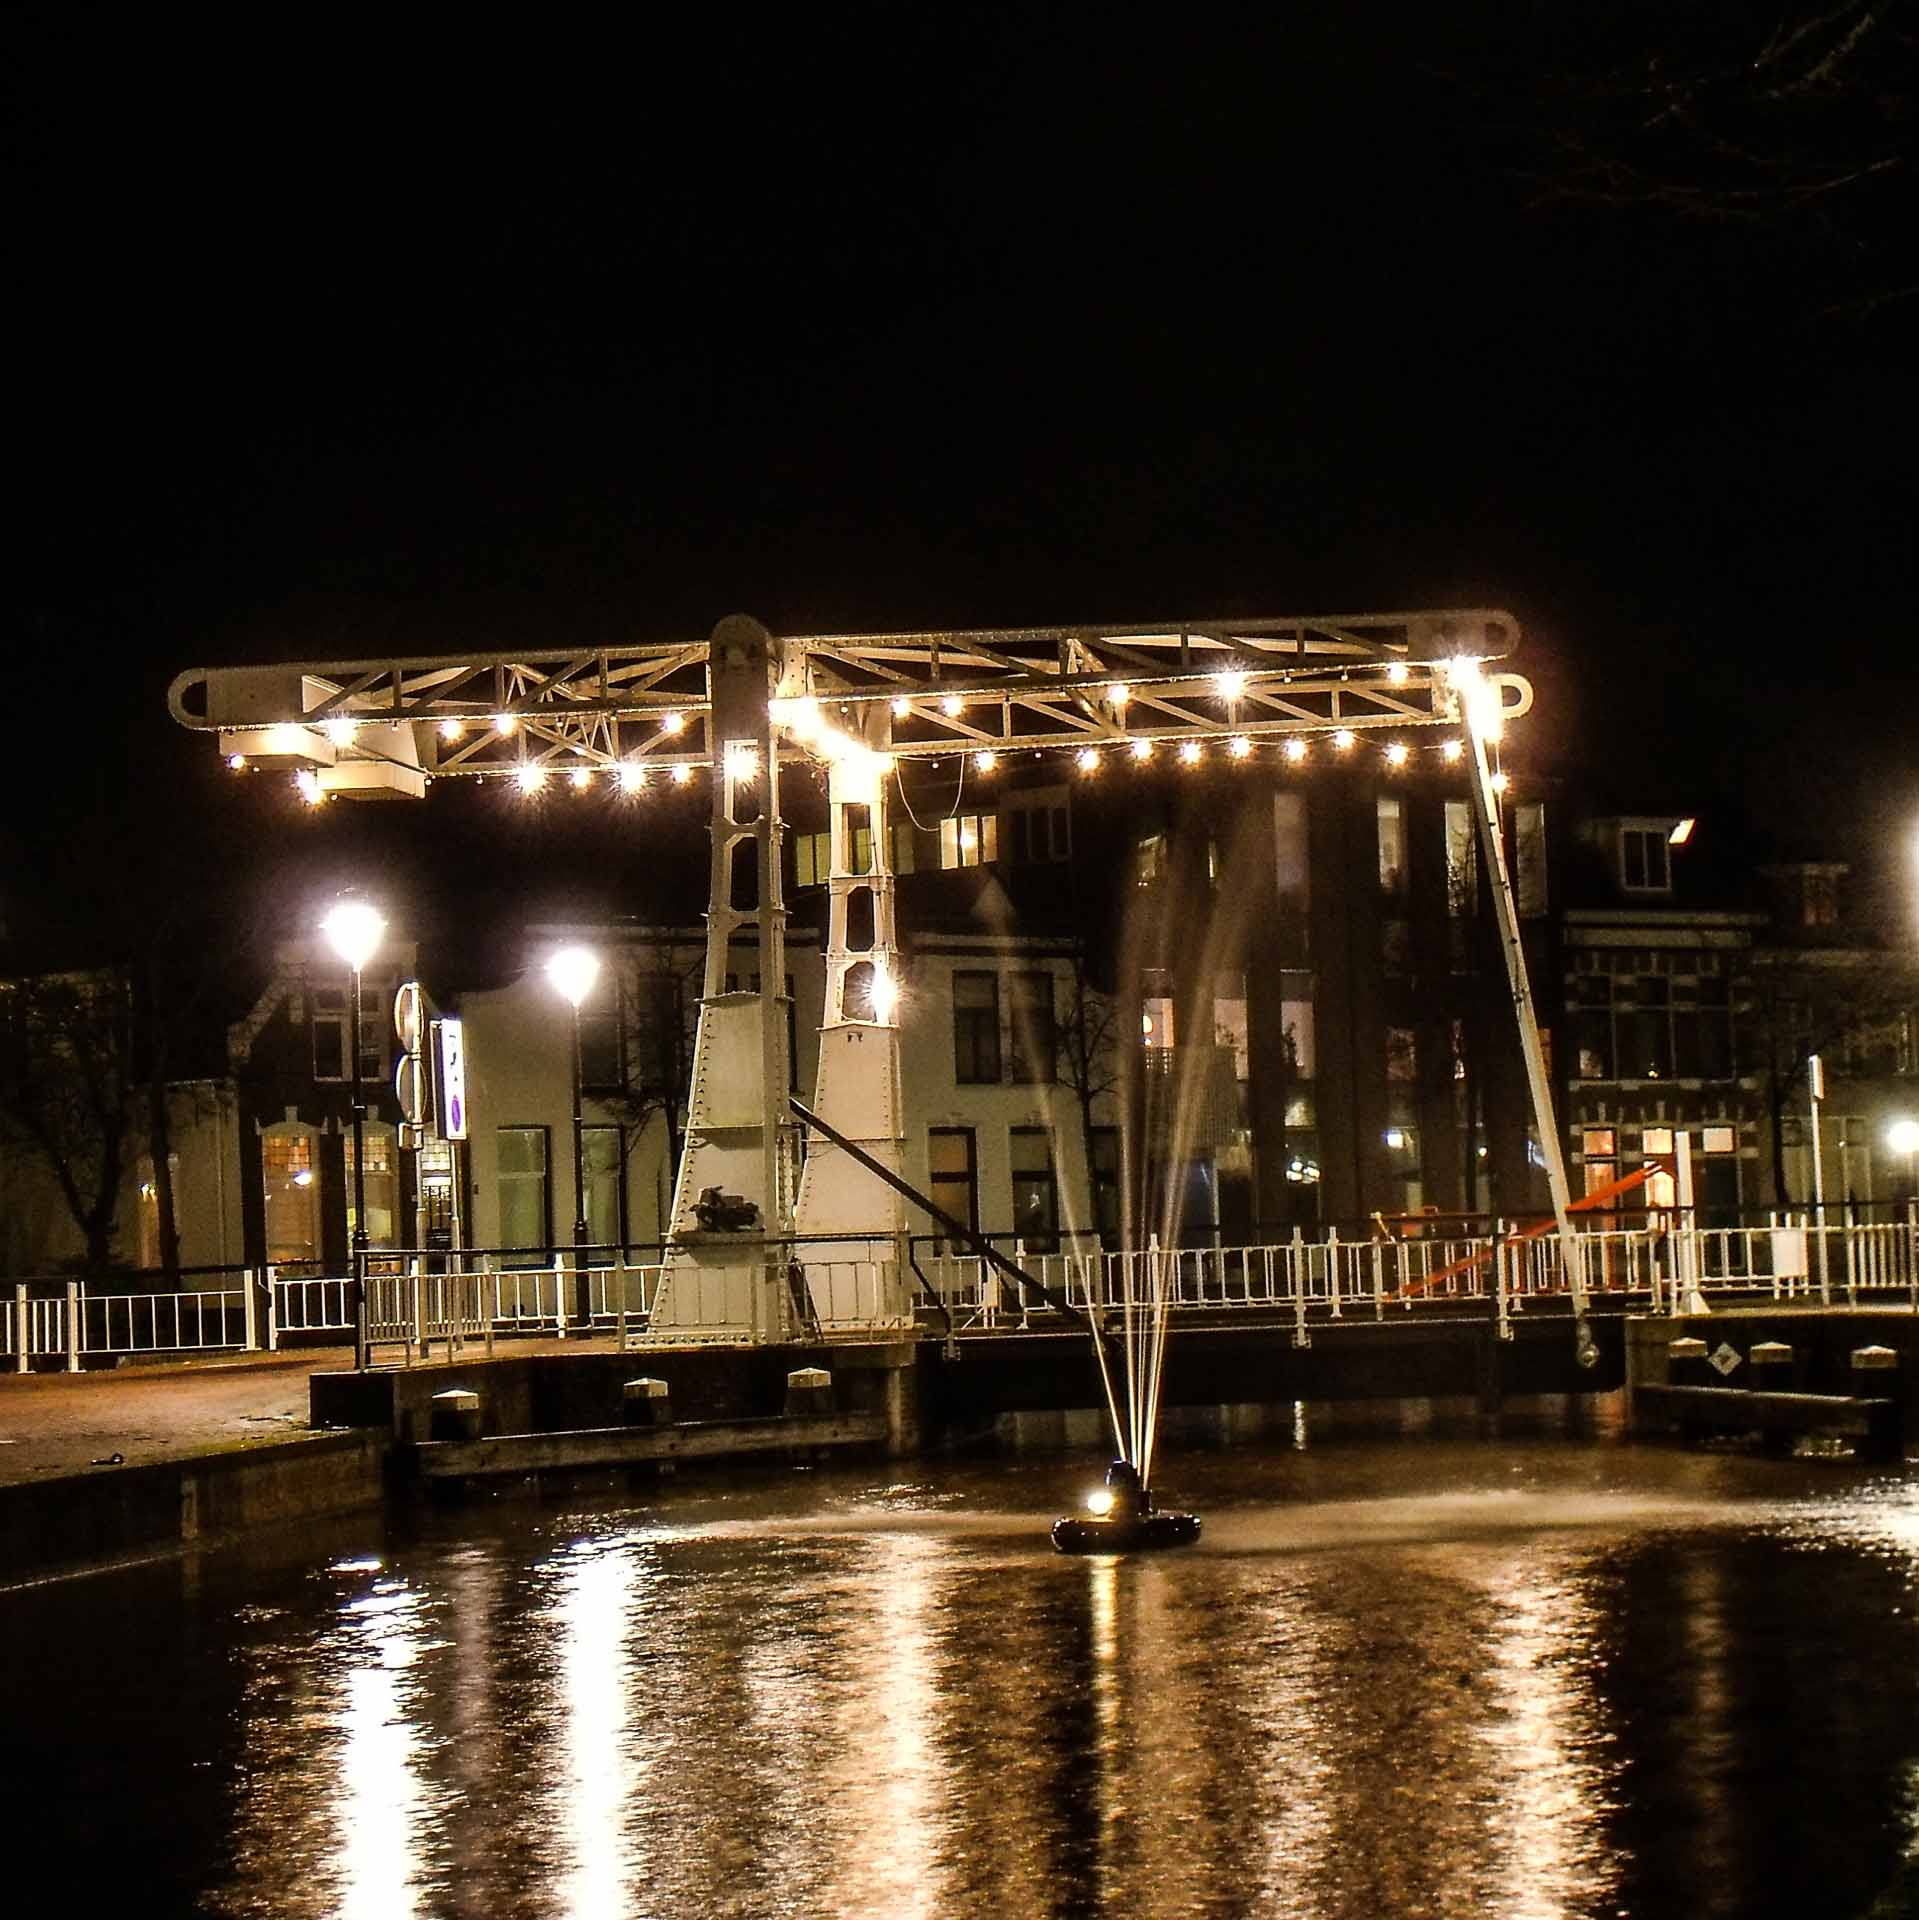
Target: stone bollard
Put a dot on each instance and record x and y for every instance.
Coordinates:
(1687, 1365)
(1875, 1376)
(647, 1403)
(809, 1394)
(455, 1415)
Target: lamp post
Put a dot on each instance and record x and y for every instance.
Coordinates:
(353, 929)
(573, 971)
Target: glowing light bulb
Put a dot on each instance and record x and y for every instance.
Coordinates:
(353, 929)
(531, 777)
(452, 729)
(1140, 749)
(884, 995)
(341, 730)
(1451, 750)
(237, 761)
(504, 723)
(308, 783)
(901, 706)
(1295, 749)
(682, 774)
(985, 760)
(632, 776)
(1500, 782)
(673, 723)
(1398, 673)
(952, 706)
(1088, 758)
(1396, 754)
(1099, 1502)
(580, 779)
(1343, 739)
(1119, 693)
(1189, 753)
(1239, 746)
(573, 971)
(1231, 683)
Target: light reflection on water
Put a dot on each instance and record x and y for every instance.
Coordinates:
(1533, 1683)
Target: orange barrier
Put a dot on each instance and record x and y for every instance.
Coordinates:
(1592, 1202)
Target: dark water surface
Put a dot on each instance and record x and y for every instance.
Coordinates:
(1415, 1677)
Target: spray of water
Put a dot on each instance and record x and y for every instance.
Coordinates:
(1188, 927)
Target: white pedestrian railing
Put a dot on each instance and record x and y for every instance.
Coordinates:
(417, 1301)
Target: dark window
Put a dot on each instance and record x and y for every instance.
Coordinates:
(953, 1175)
(657, 1064)
(329, 1024)
(1103, 1156)
(1035, 1044)
(976, 1029)
(602, 1055)
(1645, 1028)
(1035, 1191)
(1644, 866)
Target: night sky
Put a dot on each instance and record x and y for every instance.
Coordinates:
(332, 337)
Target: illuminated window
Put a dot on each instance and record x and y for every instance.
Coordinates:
(952, 1162)
(290, 1182)
(1035, 1190)
(1656, 1140)
(524, 1214)
(1391, 814)
(382, 1188)
(969, 840)
(812, 859)
(1462, 860)
(604, 1150)
(1718, 1140)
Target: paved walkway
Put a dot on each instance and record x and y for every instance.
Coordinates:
(55, 1423)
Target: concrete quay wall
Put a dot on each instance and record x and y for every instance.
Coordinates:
(70, 1522)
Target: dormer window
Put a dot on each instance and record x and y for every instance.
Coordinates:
(1645, 862)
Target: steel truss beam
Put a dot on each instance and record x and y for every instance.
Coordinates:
(1011, 690)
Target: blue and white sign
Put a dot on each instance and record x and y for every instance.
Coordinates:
(449, 1079)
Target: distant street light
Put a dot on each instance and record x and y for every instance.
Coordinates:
(573, 972)
(1903, 1137)
(354, 929)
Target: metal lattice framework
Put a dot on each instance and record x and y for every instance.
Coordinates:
(391, 725)
(862, 703)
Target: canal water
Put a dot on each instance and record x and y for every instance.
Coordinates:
(1395, 1678)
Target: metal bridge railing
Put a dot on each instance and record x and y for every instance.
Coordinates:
(417, 1300)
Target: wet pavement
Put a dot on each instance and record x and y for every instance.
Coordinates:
(55, 1423)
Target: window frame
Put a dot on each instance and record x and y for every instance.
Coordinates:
(980, 1025)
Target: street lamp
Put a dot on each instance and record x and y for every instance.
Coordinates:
(353, 929)
(1903, 1137)
(573, 971)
